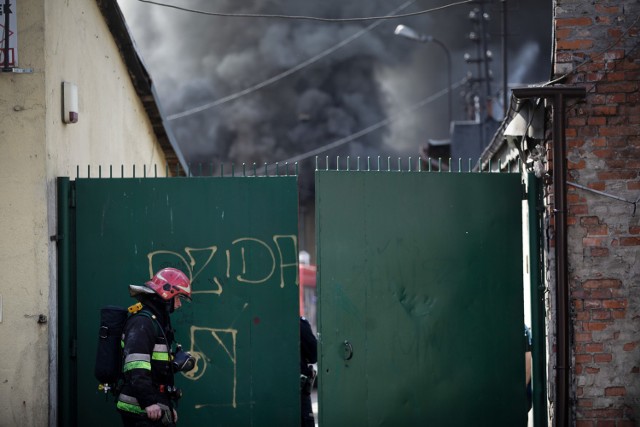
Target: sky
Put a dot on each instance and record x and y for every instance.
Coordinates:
(269, 90)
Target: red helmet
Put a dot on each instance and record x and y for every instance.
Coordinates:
(168, 283)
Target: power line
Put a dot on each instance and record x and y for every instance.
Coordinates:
(284, 74)
(593, 57)
(308, 18)
(374, 126)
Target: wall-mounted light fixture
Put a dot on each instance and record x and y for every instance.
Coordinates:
(69, 102)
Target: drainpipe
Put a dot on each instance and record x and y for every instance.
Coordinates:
(558, 95)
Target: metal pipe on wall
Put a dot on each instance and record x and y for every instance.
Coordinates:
(558, 94)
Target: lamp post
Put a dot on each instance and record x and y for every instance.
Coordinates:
(410, 33)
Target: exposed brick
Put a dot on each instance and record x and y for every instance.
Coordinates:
(583, 337)
(615, 164)
(630, 241)
(618, 314)
(579, 44)
(563, 33)
(591, 303)
(597, 121)
(634, 229)
(593, 241)
(616, 98)
(617, 130)
(584, 358)
(585, 403)
(609, 10)
(583, 423)
(583, 315)
(603, 413)
(617, 87)
(577, 121)
(577, 165)
(573, 22)
(600, 315)
(580, 293)
(606, 423)
(630, 346)
(602, 283)
(573, 198)
(617, 175)
(589, 220)
(615, 303)
(617, 76)
(617, 141)
(615, 391)
(601, 186)
(595, 326)
(592, 370)
(598, 252)
(605, 110)
(594, 347)
(575, 143)
(614, 33)
(598, 230)
(588, 131)
(602, 357)
(601, 293)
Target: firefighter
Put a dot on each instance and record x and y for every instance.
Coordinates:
(148, 395)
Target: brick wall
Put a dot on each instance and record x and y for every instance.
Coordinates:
(597, 44)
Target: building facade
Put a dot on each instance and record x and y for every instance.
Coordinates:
(597, 47)
(594, 239)
(118, 125)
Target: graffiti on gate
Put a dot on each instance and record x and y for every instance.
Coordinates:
(197, 262)
(244, 261)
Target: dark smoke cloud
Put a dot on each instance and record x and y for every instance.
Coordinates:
(196, 59)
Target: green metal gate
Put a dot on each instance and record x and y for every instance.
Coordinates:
(236, 237)
(421, 304)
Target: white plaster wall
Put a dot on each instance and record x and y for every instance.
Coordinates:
(113, 128)
(24, 286)
(61, 40)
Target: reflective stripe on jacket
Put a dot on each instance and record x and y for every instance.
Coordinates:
(146, 365)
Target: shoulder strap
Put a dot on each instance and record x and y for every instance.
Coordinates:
(159, 329)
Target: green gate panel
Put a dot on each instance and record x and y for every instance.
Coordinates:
(237, 240)
(420, 295)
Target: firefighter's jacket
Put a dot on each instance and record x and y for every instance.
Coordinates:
(146, 363)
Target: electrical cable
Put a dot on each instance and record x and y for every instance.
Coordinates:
(602, 193)
(284, 74)
(374, 126)
(308, 18)
(597, 54)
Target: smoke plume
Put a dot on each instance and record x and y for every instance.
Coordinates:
(195, 59)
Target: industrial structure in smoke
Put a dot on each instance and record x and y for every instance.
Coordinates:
(195, 59)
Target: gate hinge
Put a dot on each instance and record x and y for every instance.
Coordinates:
(525, 196)
(56, 237)
(73, 348)
(72, 197)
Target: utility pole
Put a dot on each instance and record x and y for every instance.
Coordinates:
(479, 86)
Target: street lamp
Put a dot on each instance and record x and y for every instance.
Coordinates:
(410, 33)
